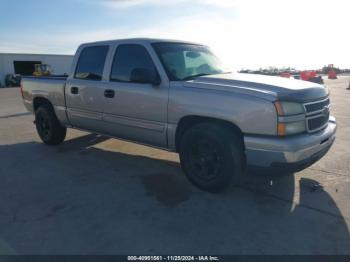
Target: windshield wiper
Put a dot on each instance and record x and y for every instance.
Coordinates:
(194, 76)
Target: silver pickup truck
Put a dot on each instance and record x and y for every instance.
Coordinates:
(176, 96)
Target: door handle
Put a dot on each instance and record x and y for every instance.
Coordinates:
(109, 93)
(74, 90)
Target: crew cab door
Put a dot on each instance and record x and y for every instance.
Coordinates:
(133, 110)
(84, 91)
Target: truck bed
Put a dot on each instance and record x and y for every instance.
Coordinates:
(50, 87)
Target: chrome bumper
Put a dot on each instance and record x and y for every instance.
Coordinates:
(303, 149)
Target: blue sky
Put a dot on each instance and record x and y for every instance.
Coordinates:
(245, 33)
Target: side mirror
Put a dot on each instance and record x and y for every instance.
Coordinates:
(145, 76)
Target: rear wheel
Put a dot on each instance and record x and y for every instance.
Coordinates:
(212, 156)
(48, 127)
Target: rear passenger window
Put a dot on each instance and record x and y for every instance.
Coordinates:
(91, 63)
(127, 58)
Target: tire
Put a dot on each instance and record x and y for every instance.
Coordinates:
(48, 127)
(212, 156)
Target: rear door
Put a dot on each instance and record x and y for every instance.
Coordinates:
(136, 111)
(84, 91)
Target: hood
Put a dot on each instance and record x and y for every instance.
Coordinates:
(270, 87)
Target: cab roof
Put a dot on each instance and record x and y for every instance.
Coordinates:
(140, 41)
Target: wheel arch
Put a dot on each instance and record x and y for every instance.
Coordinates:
(187, 122)
(39, 101)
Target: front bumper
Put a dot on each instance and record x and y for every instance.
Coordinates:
(295, 153)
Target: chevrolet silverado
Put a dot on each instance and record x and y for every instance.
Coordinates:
(176, 96)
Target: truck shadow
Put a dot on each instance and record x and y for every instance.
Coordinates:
(108, 197)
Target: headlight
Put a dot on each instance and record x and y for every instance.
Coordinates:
(288, 108)
(291, 118)
(292, 128)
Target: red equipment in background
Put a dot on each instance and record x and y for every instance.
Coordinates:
(308, 75)
(285, 74)
(332, 74)
(311, 76)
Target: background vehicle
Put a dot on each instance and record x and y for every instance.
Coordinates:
(304, 75)
(311, 76)
(42, 70)
(12, 80)
(176, 96)
(286, 75)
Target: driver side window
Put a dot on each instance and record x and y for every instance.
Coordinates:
(127, 58)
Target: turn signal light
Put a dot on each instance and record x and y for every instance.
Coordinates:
(281, 129)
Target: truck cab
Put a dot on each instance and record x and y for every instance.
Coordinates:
(110, 77)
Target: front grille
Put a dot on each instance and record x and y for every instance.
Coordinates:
(316, 106)
(317, 114)
(317, 122)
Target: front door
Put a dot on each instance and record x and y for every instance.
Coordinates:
(136, 111)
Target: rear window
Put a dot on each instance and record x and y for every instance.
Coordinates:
(91, 63)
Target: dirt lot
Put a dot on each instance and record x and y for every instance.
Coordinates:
(94, 195)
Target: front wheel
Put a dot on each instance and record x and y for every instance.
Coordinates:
(48, 127)
(212, 156)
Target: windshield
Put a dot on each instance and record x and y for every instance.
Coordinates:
(187, 61)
